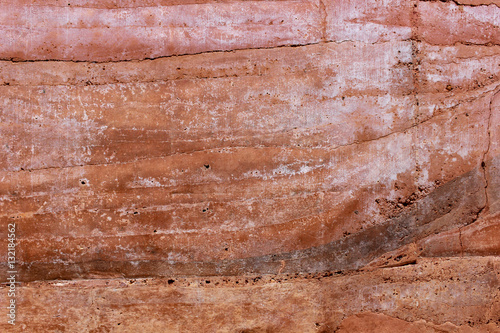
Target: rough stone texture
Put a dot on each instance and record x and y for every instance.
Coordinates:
(252, 166)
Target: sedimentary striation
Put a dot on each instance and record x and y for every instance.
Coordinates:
(251, 166)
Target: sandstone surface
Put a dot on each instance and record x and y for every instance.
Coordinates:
(251, 166)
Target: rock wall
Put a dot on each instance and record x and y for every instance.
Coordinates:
(251, 166)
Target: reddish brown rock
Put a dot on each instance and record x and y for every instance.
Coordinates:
(372, 322)
(426, 292)
(449, 22)
(251, 166)
(60, 31)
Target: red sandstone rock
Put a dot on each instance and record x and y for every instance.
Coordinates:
(426, 291)
(446, 23)
(371, 322)
(53, 30)
(251, 166)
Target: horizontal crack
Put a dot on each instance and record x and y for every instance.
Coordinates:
(462, 4)
(15, 60)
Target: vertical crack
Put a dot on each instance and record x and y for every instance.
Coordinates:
(460, 241)
(485, 155)
(323, 16)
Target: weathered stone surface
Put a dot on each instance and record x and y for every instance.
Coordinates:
(372, 322)
(368, 21)
(279, 303)
(251, 166)
(51, 30)
(449, 22)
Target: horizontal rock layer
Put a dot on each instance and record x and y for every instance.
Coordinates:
(281, 150)
(425, 294)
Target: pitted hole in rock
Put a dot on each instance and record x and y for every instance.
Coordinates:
(207, 166)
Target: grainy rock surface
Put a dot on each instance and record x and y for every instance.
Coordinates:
(251, 166)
